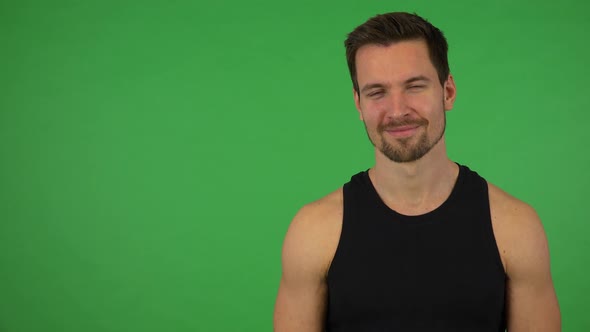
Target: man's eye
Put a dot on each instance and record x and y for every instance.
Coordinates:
(416, 87)
(375, 94)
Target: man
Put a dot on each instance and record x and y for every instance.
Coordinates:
(417, 242)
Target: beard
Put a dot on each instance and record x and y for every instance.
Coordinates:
(407, 149)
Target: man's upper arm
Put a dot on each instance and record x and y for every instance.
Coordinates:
(531, 300)
(307, 252)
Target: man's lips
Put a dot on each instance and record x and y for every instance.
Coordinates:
(402, 131)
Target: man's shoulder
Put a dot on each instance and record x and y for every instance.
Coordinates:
(329, 206)
(314, 233)
(508, 207)
(322, 216)
(517, 226)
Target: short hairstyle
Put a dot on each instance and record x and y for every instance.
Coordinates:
(389, 28)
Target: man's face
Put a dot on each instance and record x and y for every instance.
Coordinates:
(401, 100)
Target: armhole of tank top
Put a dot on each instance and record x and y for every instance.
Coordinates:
(489, 229)
(345, 189)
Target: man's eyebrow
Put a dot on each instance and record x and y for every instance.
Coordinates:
(416, 78)
(406, 82)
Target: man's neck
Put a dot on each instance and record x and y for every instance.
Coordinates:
(415, 187)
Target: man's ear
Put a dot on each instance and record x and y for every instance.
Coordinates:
(357, 103)
(450, 93)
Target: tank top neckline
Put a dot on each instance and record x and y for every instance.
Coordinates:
(428, 217)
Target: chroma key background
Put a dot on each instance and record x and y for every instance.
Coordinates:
(153, 153)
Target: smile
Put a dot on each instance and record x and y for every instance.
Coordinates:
(403, 131)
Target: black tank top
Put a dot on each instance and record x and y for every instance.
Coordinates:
(440, 271)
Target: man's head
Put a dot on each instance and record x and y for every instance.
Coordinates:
(402, 85)
(386, 29)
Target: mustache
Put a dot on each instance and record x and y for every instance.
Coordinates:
(392, 125)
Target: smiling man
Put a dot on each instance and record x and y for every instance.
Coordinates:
(417, 242)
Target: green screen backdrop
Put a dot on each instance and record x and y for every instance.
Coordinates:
(153, 153)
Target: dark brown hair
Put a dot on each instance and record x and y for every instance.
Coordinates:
(389, 28)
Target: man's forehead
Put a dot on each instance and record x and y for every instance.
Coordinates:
(395, 63)
(412, 46)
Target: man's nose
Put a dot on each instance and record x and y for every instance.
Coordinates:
(396, 105)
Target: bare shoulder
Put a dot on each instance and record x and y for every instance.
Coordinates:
(314, 233)
(507, 206)
(517, 227)
(322, 210)
(531, 300)
(308, 249)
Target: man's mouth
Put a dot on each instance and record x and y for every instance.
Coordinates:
(402, 131)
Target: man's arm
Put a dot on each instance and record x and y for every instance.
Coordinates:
(307, 252)
(530, 296)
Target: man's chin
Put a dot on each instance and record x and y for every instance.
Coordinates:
(403, 154)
